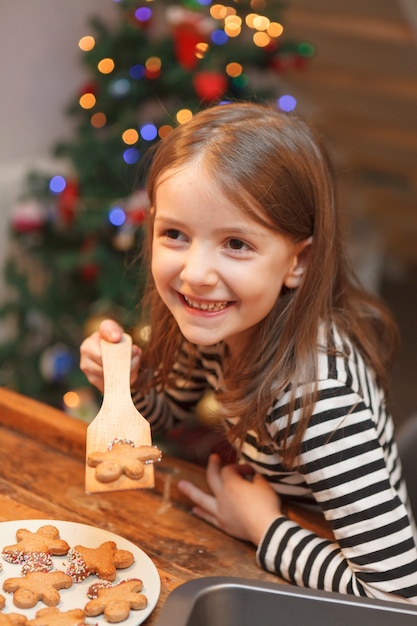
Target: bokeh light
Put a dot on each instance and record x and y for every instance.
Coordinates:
(219, 37)
(261, 22)
(306, 49)
(98, 120)
(148, 132)
(234, 69)
(87, 101)
(105, 66)
(57, 184)
(275, 29)
(261, 39)
(153, 64)
(120, 87)
(184, 115)
(218, 11)
(165, 130)
(143, 14)
(117, 216)
(131, 156)
(71, 399)
(233, 25)
(287, 103)
(201, 49)
(137, 71)
(240, 81)
(86, 43)
(130, 136)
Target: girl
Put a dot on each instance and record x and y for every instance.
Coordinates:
(250, 295)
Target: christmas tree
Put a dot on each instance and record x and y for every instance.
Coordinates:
(76, 233)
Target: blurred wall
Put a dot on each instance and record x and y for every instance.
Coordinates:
(40, 73)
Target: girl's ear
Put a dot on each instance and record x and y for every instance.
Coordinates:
(300, 264)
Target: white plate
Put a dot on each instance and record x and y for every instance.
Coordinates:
(75, 596)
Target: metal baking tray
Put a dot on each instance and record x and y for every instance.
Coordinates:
(230, 601)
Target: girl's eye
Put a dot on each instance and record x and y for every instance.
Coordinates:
(238, 244)
(172, 233)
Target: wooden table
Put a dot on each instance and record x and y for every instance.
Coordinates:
(42, 455)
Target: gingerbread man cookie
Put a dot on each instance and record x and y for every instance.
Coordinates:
(122, 457)
(12, 619)
(117, 601)
(52, 616)
(45, 540)
(37, 586)
(102, 561)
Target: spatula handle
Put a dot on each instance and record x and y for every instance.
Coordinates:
(116, 371)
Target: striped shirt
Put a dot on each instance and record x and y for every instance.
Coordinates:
(350, 470)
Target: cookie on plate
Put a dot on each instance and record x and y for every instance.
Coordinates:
(52, 616)
(45, 540)
(102, 561)
(28, 590)
(117, 601)
(10, 619)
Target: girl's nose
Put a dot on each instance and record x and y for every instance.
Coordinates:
(198, 267)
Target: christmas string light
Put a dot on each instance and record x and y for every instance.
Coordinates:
(137, 71)
(130, 136)
(106, 66)
(57, 184)
(87, 101)
(131, 156)
(184, 115)
(86, 43)
(120, 87)
(287, 103)
(117, 216)
(148, 132)
(98, 120)
(143, 14)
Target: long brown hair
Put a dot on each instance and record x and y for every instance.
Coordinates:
(274, 167)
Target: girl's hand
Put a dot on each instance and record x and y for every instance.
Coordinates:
(91, 362)
(242, 508)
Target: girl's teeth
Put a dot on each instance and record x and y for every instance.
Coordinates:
(201, 306)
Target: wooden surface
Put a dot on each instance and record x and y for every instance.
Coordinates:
(42, 461)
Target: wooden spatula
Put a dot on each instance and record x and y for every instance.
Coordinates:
(118, 421)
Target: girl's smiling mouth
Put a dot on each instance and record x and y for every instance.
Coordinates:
(205, 306)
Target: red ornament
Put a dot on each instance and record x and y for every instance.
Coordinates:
(189, 28)
(210, 85)
(89, 270)
(299, 62)
(28, 217)
(89, 88)
(137, 207)
(186, 38)
(67, 201)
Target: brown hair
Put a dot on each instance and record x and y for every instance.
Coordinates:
(274, 167)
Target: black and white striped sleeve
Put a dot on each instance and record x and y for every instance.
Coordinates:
(166, 408)
(350, 465)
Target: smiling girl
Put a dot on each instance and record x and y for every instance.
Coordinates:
(250, 296)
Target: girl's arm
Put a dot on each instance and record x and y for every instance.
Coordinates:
(168, 407)
(349, 461)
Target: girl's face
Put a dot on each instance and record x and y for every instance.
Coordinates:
(217, 270)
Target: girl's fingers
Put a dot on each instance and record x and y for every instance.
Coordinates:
(207, 517)
(110, 330)
(200, 498)
(213, 473)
